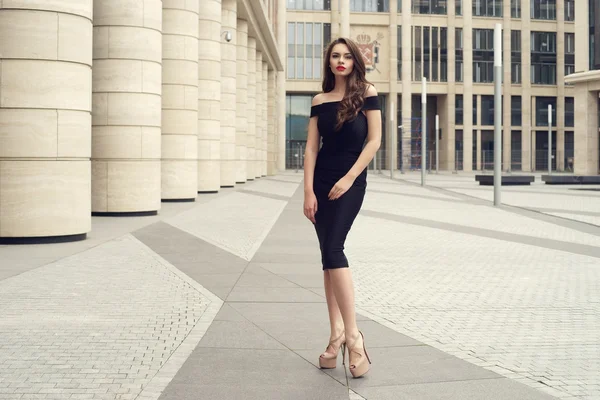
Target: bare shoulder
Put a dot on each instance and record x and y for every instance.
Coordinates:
(318, 99)
(371, 91)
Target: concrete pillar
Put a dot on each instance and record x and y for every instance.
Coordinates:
(448, 124)
(559, 154)
(259, 116)
(179, 178)
(209, 96)
(265, 139)
(344, 19)
(392, 122)
(406, 91)
(506, 89)
(45, 120)
(586, 129)
(253, 120)
(271, 124)
(281, 110)
(241, 132)
(126, 117)
(526, 131)
(468, 88)
(228, 93)
(335, 20)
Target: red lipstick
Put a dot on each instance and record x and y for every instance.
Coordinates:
(341, 68)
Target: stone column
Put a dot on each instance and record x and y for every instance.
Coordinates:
(179, 178)
(264, 145)
(448, 125)
(392, 120)
(344, 20)
(241, 132)
(506, 89)
(526, 129)
(209, 97)
(228, 93)
(271, 124)
(282, 46)
(258, 111)
(586, 129)
(468, 88)
(126, 118)
(559, 153)
(253, 121)
(45, 120)
(335, 20)
(406, 91)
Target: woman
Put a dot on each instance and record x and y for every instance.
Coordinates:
(345, 115)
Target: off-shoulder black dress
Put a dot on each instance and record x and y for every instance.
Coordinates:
(338, 153)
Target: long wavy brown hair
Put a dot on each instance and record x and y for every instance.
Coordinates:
(356, 85)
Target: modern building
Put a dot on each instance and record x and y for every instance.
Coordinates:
(450, 43)
(109, 107)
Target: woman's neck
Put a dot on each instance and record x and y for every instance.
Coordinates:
(340, 85)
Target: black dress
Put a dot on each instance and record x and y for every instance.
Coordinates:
(338, 153)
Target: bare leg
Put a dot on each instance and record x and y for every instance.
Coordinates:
(335, 317)
(343, 288)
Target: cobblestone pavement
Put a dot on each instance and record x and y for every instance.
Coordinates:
(97, 325)
(527, 311)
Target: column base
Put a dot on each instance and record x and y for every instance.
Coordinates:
(124, 213)
(208, 191)
(43, 239)
(188, 200)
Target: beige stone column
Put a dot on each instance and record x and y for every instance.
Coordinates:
(264, 145)
(259, 114)
(586, 127)
(559, 154)
(344, 19)
(406, 91)
(526, 128)
(45, 120)
(282, 47)
(228, 93)
(392, 120)
(448, 124)
(179, 177)
(253, 121)
(126, 118)
(209, 96)
(335, 20)
(468, 88)
(241, 132)
(271, 124)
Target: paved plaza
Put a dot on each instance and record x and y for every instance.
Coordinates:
(223, 298)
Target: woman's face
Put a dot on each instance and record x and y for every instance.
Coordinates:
(341, 60)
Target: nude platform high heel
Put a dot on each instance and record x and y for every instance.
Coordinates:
(336, 345)
(362, 365)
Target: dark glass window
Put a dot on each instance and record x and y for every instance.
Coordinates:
(306, 43)
(569, 53)
(543, 9)
(399, 58)
(516, 111)
(309, 4)
(369, 5)
(459, 55)
(483, 55)
(515, 150)
(459, 110)
(569, 10)
(474, 110)
(515, 56)
(417, 53)
(487, 110)
(439, 7)
(569, 111)
(543, 58)
(515, 8)
(541, 110)
(487, 8)
(434, 54)
(458, 7)
(444, 54)
(426, 53)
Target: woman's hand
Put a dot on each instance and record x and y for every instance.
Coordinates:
(341, 187)
(310, 206)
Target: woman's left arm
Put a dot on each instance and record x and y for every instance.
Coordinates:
(367, 154)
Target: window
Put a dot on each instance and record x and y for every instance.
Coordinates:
(483, 55)
(594, 31)
(296, 122)
(516, 111)
(515, 150)
(515, 8)
(543, 58)
(458, 7)
(399, 58)
(569, 53)
(474, 110)
(459, 110)
(541, 110)
(569, 10)
(487, 110)
(569, 111)
(443, 54)
(306, 43)
(487, 8)
(458, 33)
(439, 7)
(543, 9)
(370, 5)
(309, 4)
(515, 55)
(417, 43)
(430, 53)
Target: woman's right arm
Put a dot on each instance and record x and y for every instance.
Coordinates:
(310, 159)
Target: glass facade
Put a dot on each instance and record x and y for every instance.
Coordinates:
(487, 8)
(369, 5)
(515, 8)
(516, 110)
(458, 68)
(296, 128)
(569, 111)
(543, 9)
(309, 5)
(569, 53)
(515, 57)
(483, 55)
(439, 7)
(459, 110)
(541, 110)
(306, 44)
(543, 58)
